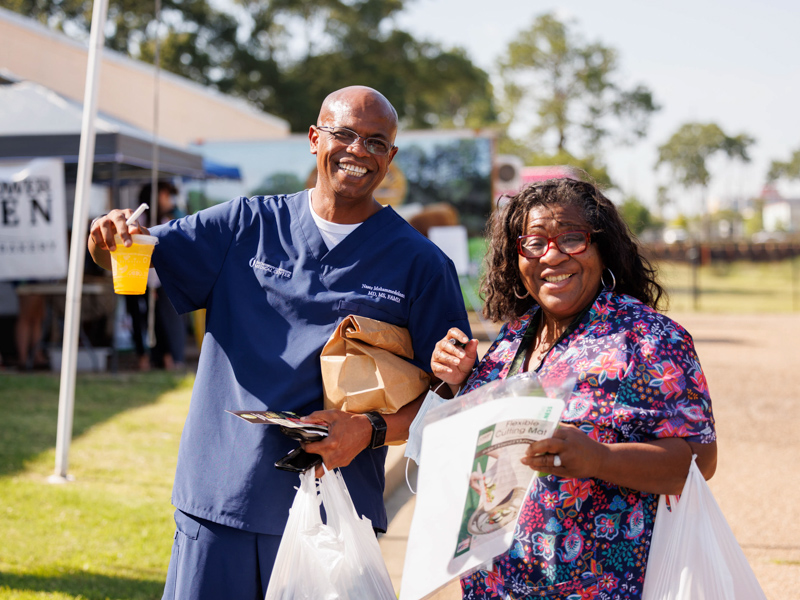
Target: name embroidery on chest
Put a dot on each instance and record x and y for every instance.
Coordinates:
(377, 291)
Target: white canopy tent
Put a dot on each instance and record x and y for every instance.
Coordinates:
(37, 122)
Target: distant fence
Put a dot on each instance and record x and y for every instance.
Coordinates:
(714, 255)
(706, 253)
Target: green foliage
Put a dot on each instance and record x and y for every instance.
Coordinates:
(253, 53)
(429, 87)
(451, 172)
(54, 13)
(590, 164)
(572, 87)
(755, 221)
(278, 183)
(785, 170)
(196, 201)
(688, 150)
(197, 41)
(663, 198)
(636, 215)
(681, 222)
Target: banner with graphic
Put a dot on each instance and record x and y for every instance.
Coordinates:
(33, 220)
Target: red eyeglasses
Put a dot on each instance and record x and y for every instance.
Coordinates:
(569, 242)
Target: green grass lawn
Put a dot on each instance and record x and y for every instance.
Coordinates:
(739, 287)
(108, 534)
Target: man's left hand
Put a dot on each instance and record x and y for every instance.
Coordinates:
(348, 435)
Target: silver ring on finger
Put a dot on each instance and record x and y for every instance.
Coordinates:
(556, 461)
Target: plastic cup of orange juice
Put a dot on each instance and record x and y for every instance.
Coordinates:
(129, 266)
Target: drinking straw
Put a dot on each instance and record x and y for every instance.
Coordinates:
(136, 214)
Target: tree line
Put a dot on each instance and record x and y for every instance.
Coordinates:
(560, 98)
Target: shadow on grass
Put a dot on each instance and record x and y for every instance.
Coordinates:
(90, 586)
(29, 405)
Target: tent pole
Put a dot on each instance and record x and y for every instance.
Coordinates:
(155, 210)
(77, 254)
(115, 204)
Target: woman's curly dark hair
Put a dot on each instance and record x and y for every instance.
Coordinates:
(618, 247)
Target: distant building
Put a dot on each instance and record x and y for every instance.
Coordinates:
(510, 176)
(535, 174)
(781, 215)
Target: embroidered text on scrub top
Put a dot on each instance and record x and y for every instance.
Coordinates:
(381, 292)
(262, 266)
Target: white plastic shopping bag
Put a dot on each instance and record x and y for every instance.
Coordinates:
(414, 443)
(339, 560)
(694, 554)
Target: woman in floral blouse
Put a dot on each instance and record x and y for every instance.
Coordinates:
(579, 300)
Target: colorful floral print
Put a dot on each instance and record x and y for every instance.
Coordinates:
(638, 379)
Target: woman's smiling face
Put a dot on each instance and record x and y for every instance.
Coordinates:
(562, 284)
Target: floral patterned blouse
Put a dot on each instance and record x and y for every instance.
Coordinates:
(638, 379)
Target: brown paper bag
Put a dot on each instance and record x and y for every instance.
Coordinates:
(364, 367)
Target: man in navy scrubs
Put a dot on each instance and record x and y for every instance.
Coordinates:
(276, 275)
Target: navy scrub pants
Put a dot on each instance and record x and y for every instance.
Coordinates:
(213, 562)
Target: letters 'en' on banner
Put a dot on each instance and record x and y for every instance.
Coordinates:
(33, 220)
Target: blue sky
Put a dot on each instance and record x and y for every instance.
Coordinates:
(736, 63)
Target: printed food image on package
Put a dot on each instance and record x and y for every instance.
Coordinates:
(499, 480)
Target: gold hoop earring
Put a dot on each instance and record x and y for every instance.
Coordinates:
(525, 295)
(607, 287)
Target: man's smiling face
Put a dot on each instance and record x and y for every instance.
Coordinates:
(351, 172)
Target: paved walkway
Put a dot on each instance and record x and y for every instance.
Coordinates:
(752, 364)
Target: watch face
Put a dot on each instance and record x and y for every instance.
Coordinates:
(378, 429)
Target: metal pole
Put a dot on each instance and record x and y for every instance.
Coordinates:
(693, 255)
(155, 210)
(794, 262)
(115, 204)
(77, 253)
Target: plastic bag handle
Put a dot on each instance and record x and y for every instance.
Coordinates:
(325, 469)
(408, 483)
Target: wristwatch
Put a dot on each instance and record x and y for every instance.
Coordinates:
(95, 220)
(378, 429)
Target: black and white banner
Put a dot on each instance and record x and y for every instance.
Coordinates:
(33, 220)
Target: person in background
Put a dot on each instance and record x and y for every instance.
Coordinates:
(580, 301)
(28, 331)
(276, 275)
(169, 351)
(137, 309)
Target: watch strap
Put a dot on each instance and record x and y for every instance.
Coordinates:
(378, 429)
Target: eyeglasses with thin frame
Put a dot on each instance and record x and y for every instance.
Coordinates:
(569, 242)
(343, 135)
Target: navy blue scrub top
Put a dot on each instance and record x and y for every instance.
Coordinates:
(274, 293)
